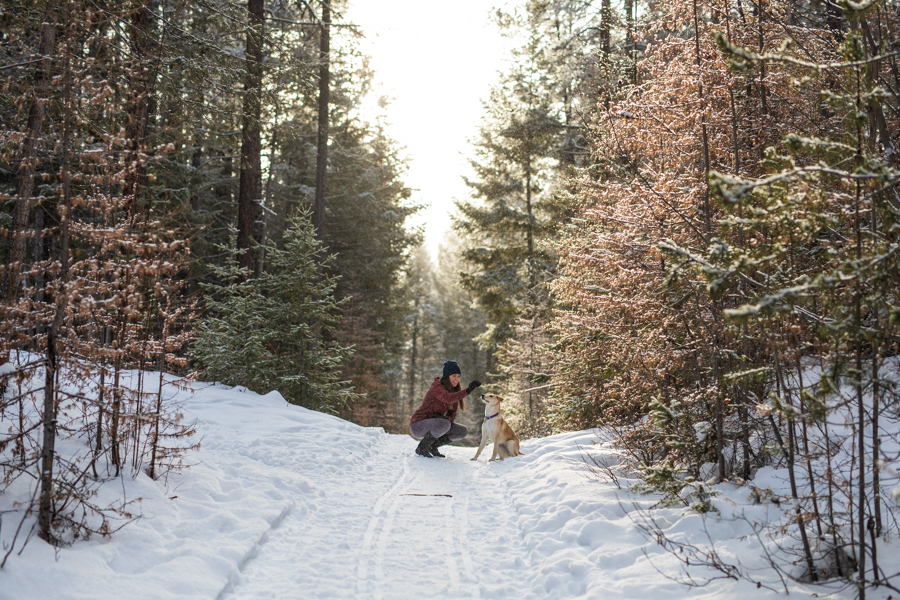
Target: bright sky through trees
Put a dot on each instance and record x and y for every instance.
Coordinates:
(436, 62)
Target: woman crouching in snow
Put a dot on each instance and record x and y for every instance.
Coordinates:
(433, 421)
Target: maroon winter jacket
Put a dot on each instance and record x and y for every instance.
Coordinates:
(438, 401)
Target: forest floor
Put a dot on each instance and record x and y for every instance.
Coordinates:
(283, 502)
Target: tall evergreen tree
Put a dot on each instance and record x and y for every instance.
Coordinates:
(251, 145)
(516, 207)
(512, 209)
(266, 333)
(364, 227)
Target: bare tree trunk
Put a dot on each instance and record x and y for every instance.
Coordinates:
(792, 442)
(850, 498)
(37, 255)
(605, 28)
(114, 417)
(605, 47)
(878, 125)
(20, 444)
(829, 478)
(876, 447)
(46, 508)
(138, 107)
(28, 162)
(251, 166)
(267, 200)
(629, 40)
(745, 438)
(196, 161)
(529, 233)
(742, 407)
(763, 92)
(720, 427)
(807, 456)
(862, 471)
(38, 252)
(224, 188)
(116, 414)
(870, 526)
(413, 358)
(98, 442)
(46, 505)
(791, 458)
(704, 136)
(154, 448)
(138, 415)
(720, 405)
(857, 322)
(322, 140)
(876, 405)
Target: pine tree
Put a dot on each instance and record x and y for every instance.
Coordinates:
(270, 332)
(513, 208)
(364, 226)
(516, 208)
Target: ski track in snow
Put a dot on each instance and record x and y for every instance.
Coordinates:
(395, 537)
(253, 552)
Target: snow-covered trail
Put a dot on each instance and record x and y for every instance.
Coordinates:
(285, 503)
(409, 527)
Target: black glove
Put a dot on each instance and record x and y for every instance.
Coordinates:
(472, 385)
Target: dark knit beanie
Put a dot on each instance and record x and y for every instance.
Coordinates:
(450, 367)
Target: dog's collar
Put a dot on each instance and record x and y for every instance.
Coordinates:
(492, 416)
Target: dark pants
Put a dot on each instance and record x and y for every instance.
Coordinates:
(437, 428)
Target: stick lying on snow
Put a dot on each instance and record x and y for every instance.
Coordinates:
(444, 495)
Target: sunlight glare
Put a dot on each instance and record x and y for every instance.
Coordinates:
(436, 62)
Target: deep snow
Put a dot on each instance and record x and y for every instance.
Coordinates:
(284, 502)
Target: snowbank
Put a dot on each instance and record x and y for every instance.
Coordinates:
(283, 502)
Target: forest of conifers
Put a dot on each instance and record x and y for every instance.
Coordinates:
(683, 226)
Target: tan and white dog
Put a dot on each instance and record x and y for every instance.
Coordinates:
(497, 430)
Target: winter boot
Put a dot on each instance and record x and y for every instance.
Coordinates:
(441, 441)
(424, 447)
